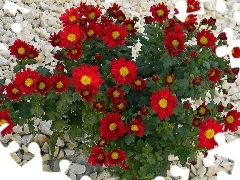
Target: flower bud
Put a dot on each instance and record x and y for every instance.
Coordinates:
(155, 78)
(222, 36)
(197, 81)
(98, 56)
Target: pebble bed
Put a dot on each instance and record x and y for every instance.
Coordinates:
(37, 27)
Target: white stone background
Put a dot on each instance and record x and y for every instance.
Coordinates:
(37, 26)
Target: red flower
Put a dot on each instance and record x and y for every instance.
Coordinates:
(111, 126)
(98, 56)
(44, 84)
(163, 103)
(92, 13)
(99, 106)
(86, 77)
(144, 110)
(33, 52)
(174, 43)
(136, 127)
(169, 79)
(120, 105)
(98, 156)
(71, 36)
(102, 142)
(235, 71)
(74, 53)
(123, 71)
(193, 5)
(19, 49)
(193, 54)
(196, 122)
(93, 30)
(236, 52)
(138, 84)
(222, 36)
(232, 120)
(197, 80)
(112, 11)
(116, 156)
(115, 93)
(115, 35)
(214, 75)
(190, 22)
(148, 19)
(186, 105)
(60, 83)
(120, 16)
(220, 108)
(205, 38)
(130, 26)
(208, 130)
(159, 12)
(13, 92)
(88, 94)
(5, 118)
(55, 39)
(155, 78)
(71, 16)
(202, 110)
(27, 80)
(59, 67)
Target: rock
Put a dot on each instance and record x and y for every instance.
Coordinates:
(46, 157)
(60, 154)
(27, 139)
(45, 147)
(60, 142)
(45, 126)
(69, 152)
(77, 168)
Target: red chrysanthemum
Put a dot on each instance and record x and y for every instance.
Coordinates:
(236, 52)
(163, 103)
(5, 118)
(205, 38)
(174, 43)
(138, 84)
(116, 157)
(102, 142)
(115, 93)
(169, 79)
(112, 11)
(93, 30)
(92, 13)
(193, 5)
(74, 53)
(111, 126)
(120, 105)
(85, 77)
(27, 80)
(120, 16)
(159, 12)
(97, 157)
(196, 122)
(232, 120)
(197, 80)
(99, 106)
(71, 36)
(115, 35)
(190, 22)
(60, 83)
(130, 26)
(13, 92)
(33, 52)
(214, 75)
(123, 71)
(70, 16)
(54, 39)
(20, 49)
(44, 84)
(136, 127)
(208, 130)
(202, 110)
(88, 94)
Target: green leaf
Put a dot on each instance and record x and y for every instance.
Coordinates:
(53, 141)
(129, 139)
(59, 124)
(44, 71)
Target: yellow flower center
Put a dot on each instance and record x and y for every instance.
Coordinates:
(112, 126)
(169, 79)
(31, 55)
(115, 34)
(41, 85)
(90, 32)
(203, 40)
(232, 51)
(116, 93)
(187, 19)
(124, 71)
(28, 82)
(2, 121)
(15, 90)
(160, 12)
(120, 106)
(230, 119)
(209, 133)
(202, 110)
(100, 157)
(138, 82)
(74, 52)
(212, 74)
(129, 27)
(21, 50)
(98, 105)
(86, 80)
(192, 6)
(114, 155)
(102, 142)
(91, 15)
(72, 18)
(134, 128)
(120, 18)
(71, 37)
(59, 85)
(163, 103)
(175, 43)
(85, 93)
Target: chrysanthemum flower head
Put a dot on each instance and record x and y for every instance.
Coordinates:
(20, 49)
(193, 5)
(236, 52)
(202, 110)
(232, 120)
(136, 127)
(60, 83)
(97, 157)
(159, 12)
(214, 75)
(169, 79)
(205, 38)
(13, 92)
(116, 157)
(6, 119)
(70, 16)
(138, 84)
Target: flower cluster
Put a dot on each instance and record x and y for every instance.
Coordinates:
(127, 112)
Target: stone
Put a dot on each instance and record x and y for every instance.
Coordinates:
(77, 168)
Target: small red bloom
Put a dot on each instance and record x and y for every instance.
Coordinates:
(112, 11)
(120, 16)
(235, 71)
(5, 118)
(208, 130)
(197, 80)
(20, 49)
(174, 43)
(202, 110)
(102, 142)
(55, 39)
(220, 108)
(205, 38)
(116, 156)
(33, 52)
(13, 92)
(123, 71)
(99, 106)
(88, 94)
(159, 12)
(57, 56)
(169, 79)
(148, 19)
(193, 54)
(211, 21)
(155, 78)
(93, 30)
(214, 75)
(71, 16)
(130, 27)
(115, 93)
(74, 53)
(111, 126)
(136, 127)
(193, 5)
(222, 36)
(232, 120)
(138, 84)
(236, 52)
(97, 157)
(187, 105)
(120, 105)
(60, 83)
(60, 67)
(196, 122)
(92, 13)
(144, 110)
(44, 84)
(98, 56)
